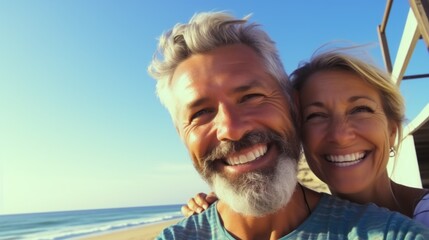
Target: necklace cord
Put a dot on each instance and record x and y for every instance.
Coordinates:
(305, 198)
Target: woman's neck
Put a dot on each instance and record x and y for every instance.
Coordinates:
(382, 193)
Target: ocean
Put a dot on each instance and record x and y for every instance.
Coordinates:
(75, 224)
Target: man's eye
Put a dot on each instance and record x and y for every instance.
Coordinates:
(362, 109)
(201, 113)
(250, 96)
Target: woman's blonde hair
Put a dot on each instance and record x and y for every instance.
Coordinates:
(391, 98)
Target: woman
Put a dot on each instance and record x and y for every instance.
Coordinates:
(351, 116)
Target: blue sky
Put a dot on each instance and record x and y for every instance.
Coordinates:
(80, 124)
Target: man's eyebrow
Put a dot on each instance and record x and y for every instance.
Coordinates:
(244, 88)
(197, 103)
(201, 101)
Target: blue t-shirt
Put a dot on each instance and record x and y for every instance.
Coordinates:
(332, 218)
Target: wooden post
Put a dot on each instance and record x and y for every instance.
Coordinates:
(421, 11)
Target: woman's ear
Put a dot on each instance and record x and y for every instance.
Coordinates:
(393, 133)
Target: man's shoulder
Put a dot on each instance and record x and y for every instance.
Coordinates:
(205, 225)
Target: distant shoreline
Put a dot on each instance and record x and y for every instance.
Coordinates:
(144, 232)
(80, 224)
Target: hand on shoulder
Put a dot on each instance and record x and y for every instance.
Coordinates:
(198, 203)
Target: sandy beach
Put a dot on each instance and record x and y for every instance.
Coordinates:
(147, 232)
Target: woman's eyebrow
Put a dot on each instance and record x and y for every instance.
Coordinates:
(313, 104)
(355, 98)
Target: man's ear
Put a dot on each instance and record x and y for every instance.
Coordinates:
(178, 131)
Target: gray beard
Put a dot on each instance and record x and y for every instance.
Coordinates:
(258, 193)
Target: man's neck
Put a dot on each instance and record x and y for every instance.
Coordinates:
(272, 226)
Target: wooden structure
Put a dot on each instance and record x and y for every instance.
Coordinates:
(412, 165)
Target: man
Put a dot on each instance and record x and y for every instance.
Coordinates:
(223, 83)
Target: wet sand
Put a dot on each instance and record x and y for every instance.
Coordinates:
(146, 232)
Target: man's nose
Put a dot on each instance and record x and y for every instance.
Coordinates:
(340, 131)
(231, 123)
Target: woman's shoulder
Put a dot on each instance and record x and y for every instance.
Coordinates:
(419, 199)
(421, 210)
(418, 196)
(408, 197)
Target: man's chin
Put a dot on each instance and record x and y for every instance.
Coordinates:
(257, 193)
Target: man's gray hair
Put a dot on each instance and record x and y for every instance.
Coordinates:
(205, 32)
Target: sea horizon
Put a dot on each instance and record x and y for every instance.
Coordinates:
(86, 209)
(73, 224)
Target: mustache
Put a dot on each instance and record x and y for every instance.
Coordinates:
(225, 148)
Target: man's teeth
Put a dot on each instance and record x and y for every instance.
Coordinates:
(347, 159)
(250, 156)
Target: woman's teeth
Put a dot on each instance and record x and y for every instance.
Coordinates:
(346, 160)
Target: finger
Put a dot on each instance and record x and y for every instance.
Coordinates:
(200, 195)
(193, 206)
(186, 211)
(211, 198)
(200, 200)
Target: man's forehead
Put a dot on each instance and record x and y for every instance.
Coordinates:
(226, 69)
(186, 91)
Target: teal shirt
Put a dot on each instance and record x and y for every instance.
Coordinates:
(332, 218)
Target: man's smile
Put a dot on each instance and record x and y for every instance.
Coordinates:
(248, 155)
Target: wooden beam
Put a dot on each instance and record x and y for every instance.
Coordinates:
(421, 11)
(409, 39)
(386, 16)
(384, 49)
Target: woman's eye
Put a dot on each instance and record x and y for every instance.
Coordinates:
(316, 115)
(362, 109)
(250, 96)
